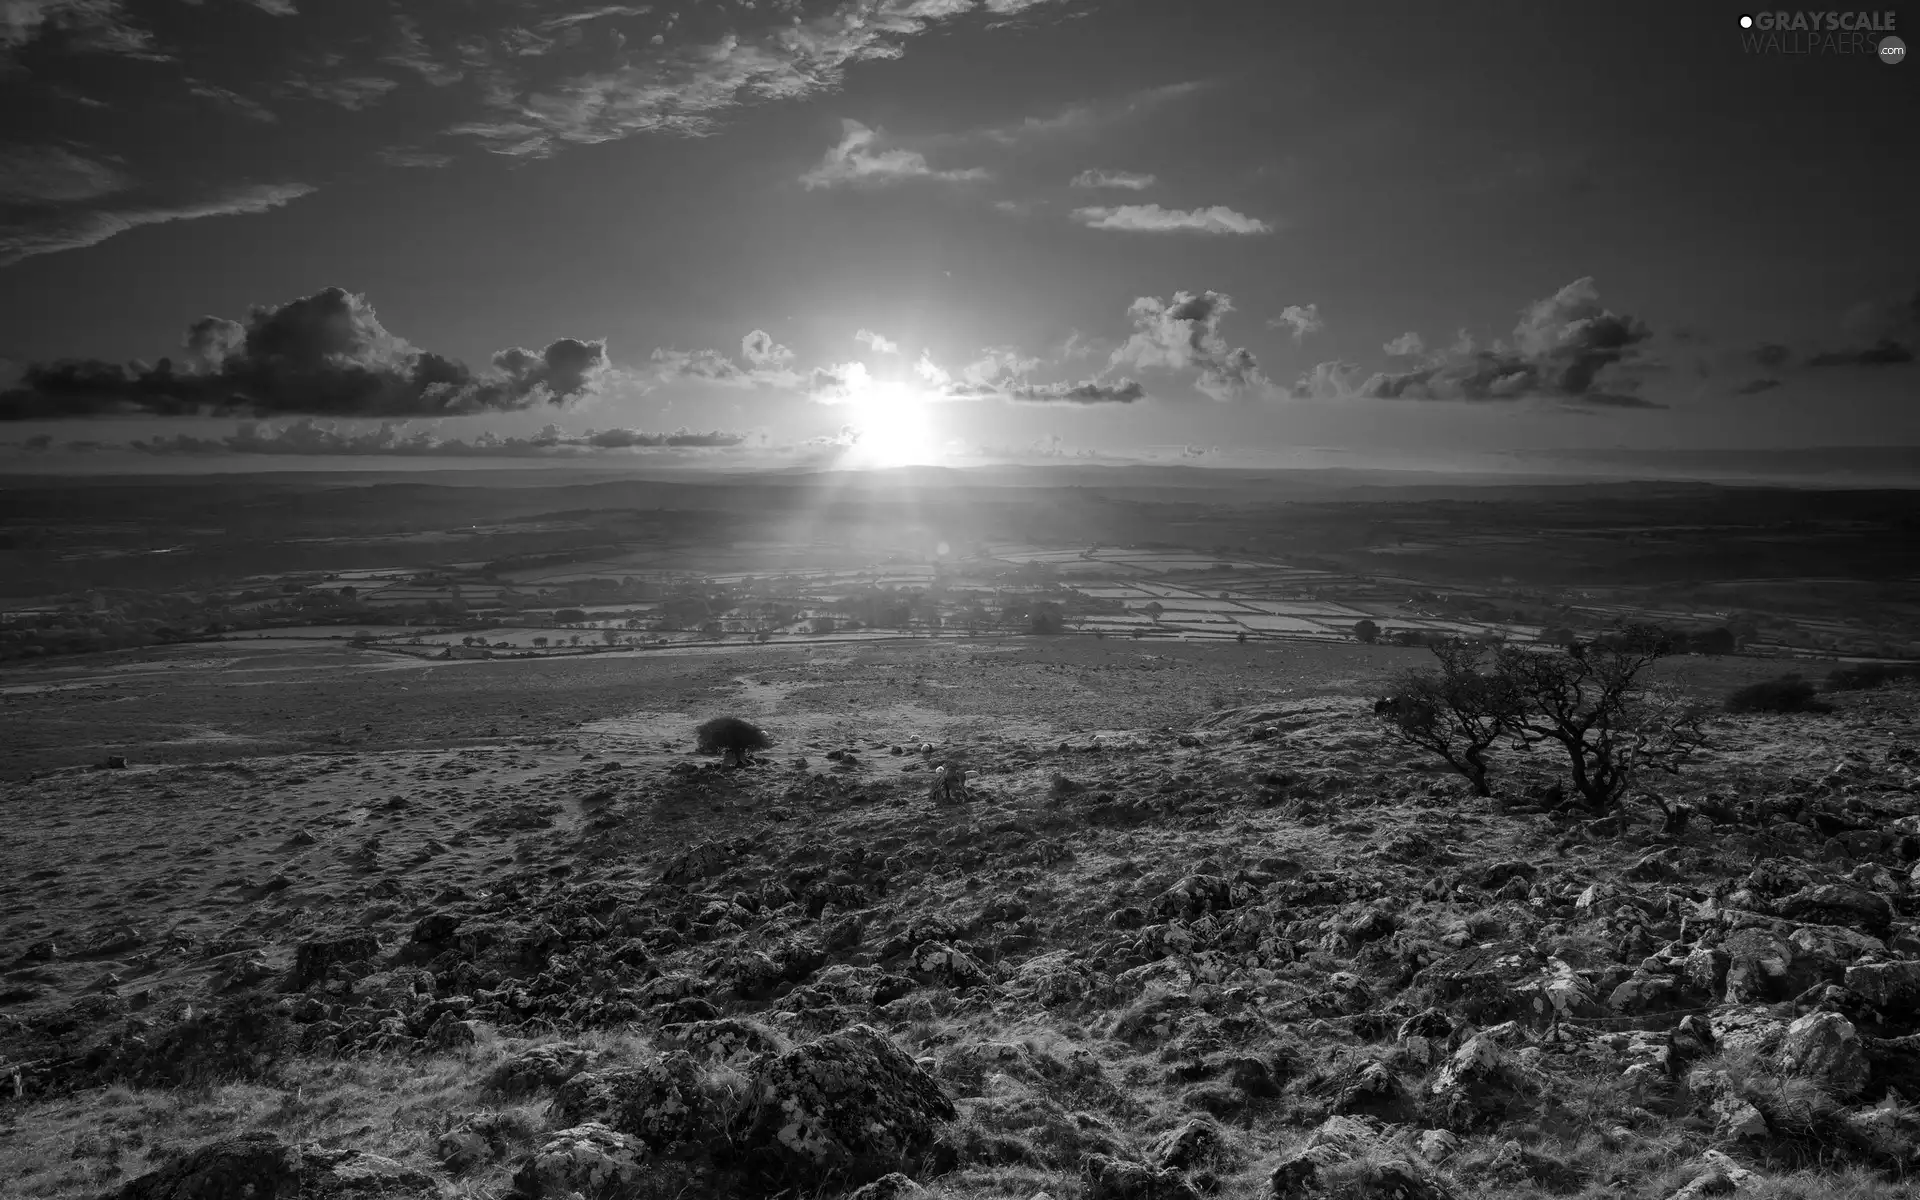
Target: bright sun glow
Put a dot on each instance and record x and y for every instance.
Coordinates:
(895, 423)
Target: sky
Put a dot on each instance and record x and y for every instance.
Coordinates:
(883, 231)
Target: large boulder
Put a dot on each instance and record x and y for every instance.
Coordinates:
(659, 1102)
(848, 1107)
(1825, 1048)
(591, 1161)
(252, 1166)
(1479, 1084)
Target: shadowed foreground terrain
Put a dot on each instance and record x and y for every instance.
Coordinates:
(1191, 926)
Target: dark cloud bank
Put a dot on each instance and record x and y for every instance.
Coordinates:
(322, 355)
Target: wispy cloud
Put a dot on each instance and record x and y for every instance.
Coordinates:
(1151, 218)
(595, 14)
(37, 175)
(353, 92)
(684, 89)
(50, 230)
(278, 8)
(233, 101)
(1092, 178)
(407, 156)
(409, 50)
(90, 26)
(857, 159)
(1084, 117)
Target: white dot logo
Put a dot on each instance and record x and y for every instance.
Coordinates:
(1892, 50)
(1746, 22)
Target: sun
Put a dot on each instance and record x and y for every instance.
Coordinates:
(894, 422)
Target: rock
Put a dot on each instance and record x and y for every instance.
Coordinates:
(1484, 983)
(1838, 904)
(476, 1139)
(537, 1067)
(1342, 1142)
(699, 862)
(436, 927)
(1822, 953)
(1893, 987)
(252, 1166)
(1825, 1047)
(449, 1032)
(1720, 1176)
(357, 1174)
(1735, 1120)
(1752, 1027)
(590, 1160)
(259, 1166)
(314, 958)
(658, 1102)
(1109, 1178)
(1437, 1145)
(724, 1040)
(938, 962)
(848, 1107)
(1197, 895)
(1644, 994)
(1705, 970)
(1478, 1084)
(1194, 1143)
(1759, 967)
(891, 1186)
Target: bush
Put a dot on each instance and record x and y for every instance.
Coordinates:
(1866, 676)
(732, 737)
(1045, 618)
(1781, 694)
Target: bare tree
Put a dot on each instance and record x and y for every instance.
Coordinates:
(1457, 712)
(1591, 699)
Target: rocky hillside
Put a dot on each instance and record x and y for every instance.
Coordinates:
(1274, 955)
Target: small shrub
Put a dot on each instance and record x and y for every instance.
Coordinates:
(731, 737)
(1781, 694)
(1865, 676)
